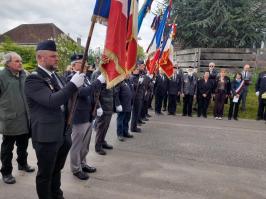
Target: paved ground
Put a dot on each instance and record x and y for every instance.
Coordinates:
(174, 157)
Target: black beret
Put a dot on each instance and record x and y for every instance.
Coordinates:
(76, 57)
(140, 62)
(190, 67)
(175, 67)
(46, 45)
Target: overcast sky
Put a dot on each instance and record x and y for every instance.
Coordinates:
(71, 16)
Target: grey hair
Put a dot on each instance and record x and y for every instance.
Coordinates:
(8, 57)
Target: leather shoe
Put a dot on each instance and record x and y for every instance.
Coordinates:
(148, 115)
(26, 168)
(9, 179)
(107, 146)
(145, 119)
(81, 175)
(136, 130)
(141, 122)
(128, 135)
(88, 169)
(120, 138)
(100, 152)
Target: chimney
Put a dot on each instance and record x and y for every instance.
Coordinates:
(79, 41)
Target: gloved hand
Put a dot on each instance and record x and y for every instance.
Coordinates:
(257, 93)
(78, 79)
(150, 76)
(99, 112)
(119, 109)
(101, 78)
(141, 80)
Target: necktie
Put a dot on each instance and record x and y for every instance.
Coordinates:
(55, 82)
(245, 76)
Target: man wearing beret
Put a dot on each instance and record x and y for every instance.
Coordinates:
(83, 116)
(48, 97)
(14, 123)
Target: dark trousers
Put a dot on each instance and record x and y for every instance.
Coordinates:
(135, 114)
(51, 160)
(172, 101)
(219, 104)
(122, 123)
(144, 110)
(101, 127)
(158, 103)
(165, 100)
(203, 104)
(7, 147)
(187, 105)
(234, 107)
(261, 109)
(150, 101)
(244, 98)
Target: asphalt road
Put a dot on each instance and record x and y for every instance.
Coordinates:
(174, 157)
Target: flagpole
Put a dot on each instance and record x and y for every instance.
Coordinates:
(84, 59)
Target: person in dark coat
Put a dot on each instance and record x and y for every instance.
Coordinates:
(106, 100)
(222, 88)
(237, 87)
(48, 99)
(188, 91)
(82, 120)
(160, 89)
(123, 96)
(261, 93)
(204, 94)
(136, 80)
(174, 90)
(14, 116)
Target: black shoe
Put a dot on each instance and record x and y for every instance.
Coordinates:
(88, 169)
(120, 138)
(145, 119)
(164, 109)
(26, 168)
(100, 151)
(128, 135)
(184, 114)
(81, 175)
(136, 130)
(9, 179)
(229, 118)
(107, 146)
(148, 115)
(189, 115)
(141, 122)
(235, 119)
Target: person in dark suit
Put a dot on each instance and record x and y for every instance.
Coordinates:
(82, 120)
(237, 87)
(174, 90)
(204, 94)
(47, 97)
(160, 89)
(261, 93)
(222, 89)
(136, 80)
(188, 91)
(123, 96)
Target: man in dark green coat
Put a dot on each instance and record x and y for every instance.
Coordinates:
(14, 124)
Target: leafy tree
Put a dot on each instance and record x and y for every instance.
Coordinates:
(219, 23)
(65, 48)
(27, 53)
(140, 53)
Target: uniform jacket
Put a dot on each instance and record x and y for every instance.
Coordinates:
(13, 105)
(47, 106)
(174, 84)
(160, 87)
(124, 95)
(85, 100)
(261, 83)
(138, 88)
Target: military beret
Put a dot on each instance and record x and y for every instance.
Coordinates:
(76, 57)
(140, 62)
(46, 45)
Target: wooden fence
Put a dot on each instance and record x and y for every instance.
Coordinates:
(230, 58)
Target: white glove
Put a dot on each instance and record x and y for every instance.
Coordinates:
(119, 109)
(257, 93)
(99, 112)
(153, 81)
(141, 80)
(101, 78)
(78, 79)
(150, 76)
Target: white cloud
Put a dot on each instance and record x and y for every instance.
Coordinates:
(72, 16)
